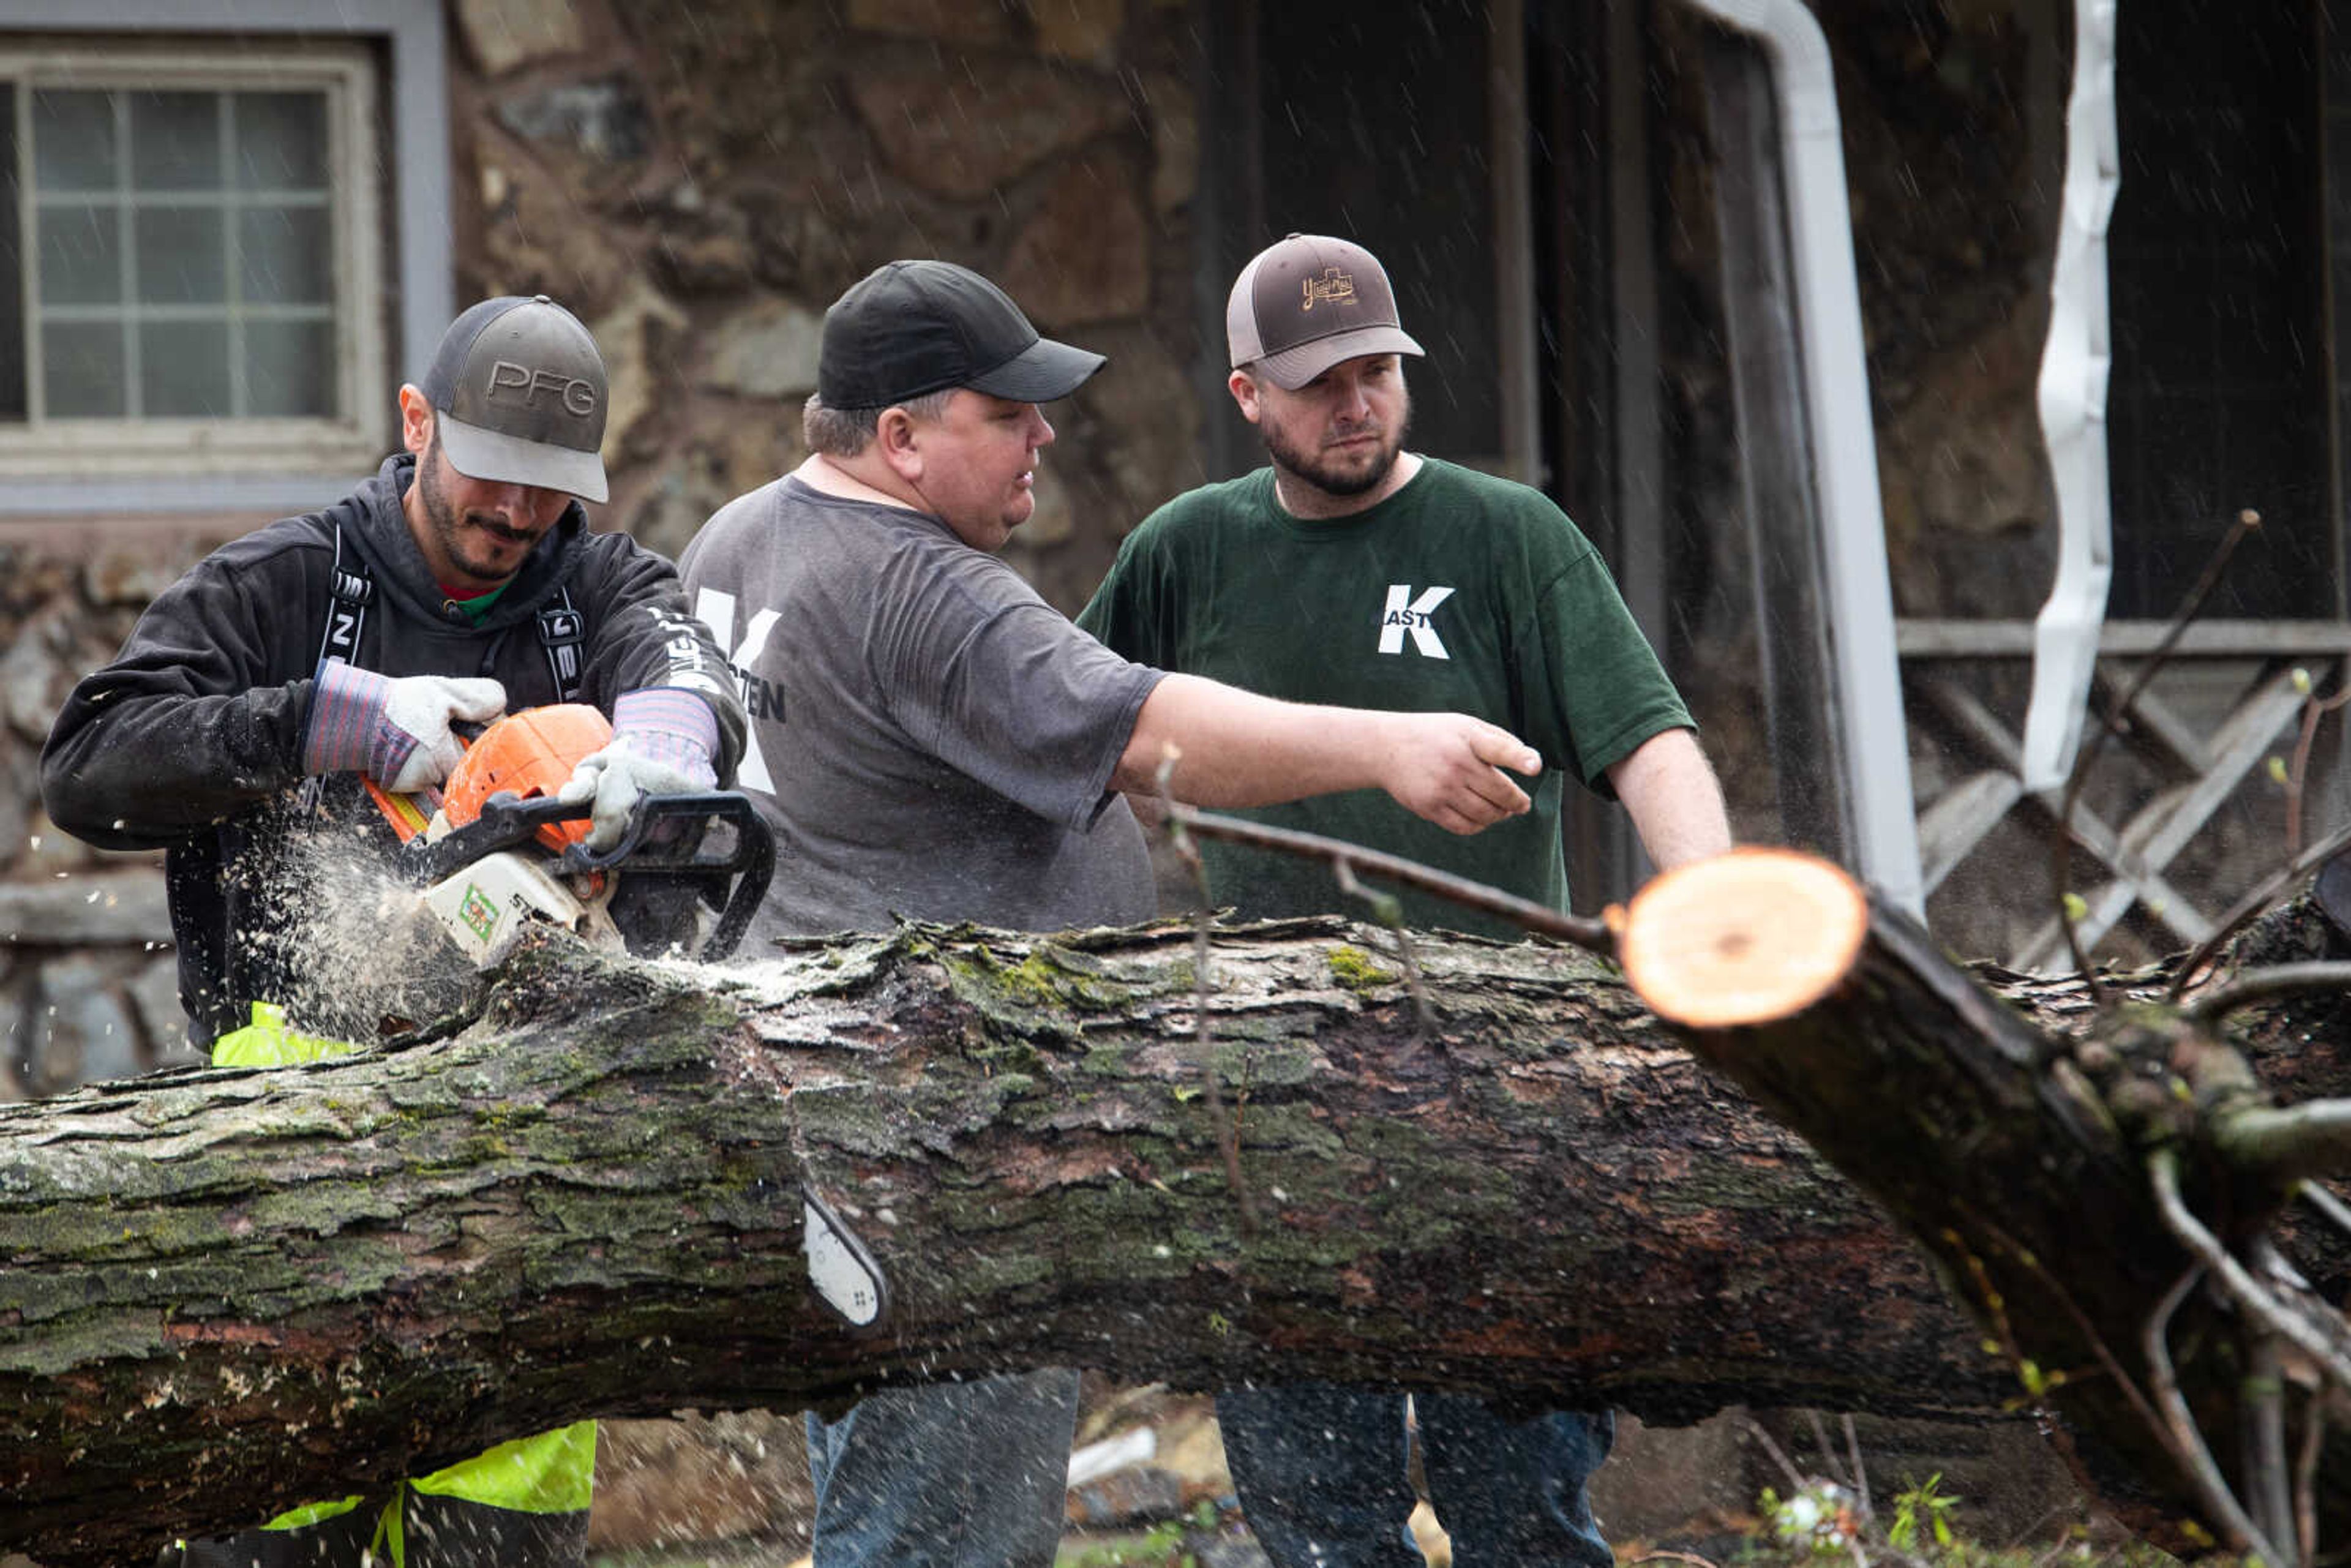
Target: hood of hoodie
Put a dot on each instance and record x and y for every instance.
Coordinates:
(373, 520)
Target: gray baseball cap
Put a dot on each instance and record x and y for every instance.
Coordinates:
(1302, 306)
(518, 392)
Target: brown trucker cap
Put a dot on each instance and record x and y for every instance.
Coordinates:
(1302, 306)
(519, 396)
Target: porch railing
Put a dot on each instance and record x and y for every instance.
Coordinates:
(2124, 856)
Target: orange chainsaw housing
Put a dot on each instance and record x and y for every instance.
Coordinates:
(527, 754)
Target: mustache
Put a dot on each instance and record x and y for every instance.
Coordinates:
(489, 522)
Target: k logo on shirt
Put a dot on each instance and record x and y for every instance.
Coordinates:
(1406, 614)
(761, 699)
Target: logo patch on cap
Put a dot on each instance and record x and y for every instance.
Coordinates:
(1304, 304)
(1333, 287)
(511, 382)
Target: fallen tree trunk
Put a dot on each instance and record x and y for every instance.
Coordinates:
(226, 1293)
(229, 1291)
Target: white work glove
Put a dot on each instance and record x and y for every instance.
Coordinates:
(394, 730)
(662, 742)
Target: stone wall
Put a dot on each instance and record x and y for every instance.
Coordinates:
(87, 985)
(699, 180)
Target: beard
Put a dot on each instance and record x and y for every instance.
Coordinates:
(449, 526)
(1336, 473)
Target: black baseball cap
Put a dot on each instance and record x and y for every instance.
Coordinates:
(519, 396)
(909, 327)
(1304, 304)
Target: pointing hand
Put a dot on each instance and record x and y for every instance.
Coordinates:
(1446, 767)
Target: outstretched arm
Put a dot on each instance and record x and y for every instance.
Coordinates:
(1236, 749)
(1676, 805)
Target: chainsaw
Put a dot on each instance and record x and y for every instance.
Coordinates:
(493, 850)
(497, 850)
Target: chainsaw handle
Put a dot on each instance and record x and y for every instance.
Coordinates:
(752, 865)
(750, 888)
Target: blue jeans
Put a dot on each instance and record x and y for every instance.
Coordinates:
(951, 1474)
(1320, 1470)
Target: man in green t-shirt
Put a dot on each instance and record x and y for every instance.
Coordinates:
(1351, 572)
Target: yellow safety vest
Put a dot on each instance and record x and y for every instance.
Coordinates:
(554, 1473)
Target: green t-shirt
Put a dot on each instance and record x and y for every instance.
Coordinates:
(1461, 592)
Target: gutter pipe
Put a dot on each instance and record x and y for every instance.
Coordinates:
(1836, 375)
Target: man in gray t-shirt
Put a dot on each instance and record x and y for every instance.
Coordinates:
(941, 741)
(930, 739)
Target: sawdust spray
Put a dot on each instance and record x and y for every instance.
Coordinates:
(357, 954)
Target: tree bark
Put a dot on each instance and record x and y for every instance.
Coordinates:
(229, 1291)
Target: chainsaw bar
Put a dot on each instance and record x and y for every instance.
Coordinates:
(841, 1268)
(667, 840)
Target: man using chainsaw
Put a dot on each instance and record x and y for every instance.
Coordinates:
(930, 739)
(1352, 570)
(259, 696)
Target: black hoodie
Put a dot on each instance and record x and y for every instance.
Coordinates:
(192, 736)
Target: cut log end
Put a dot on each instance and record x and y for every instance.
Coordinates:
(1746, 938)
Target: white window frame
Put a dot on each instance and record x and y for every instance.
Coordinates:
(408, 41)
(43, 446)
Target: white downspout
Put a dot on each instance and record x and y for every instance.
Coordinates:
(2074, 363)
(1844, 443)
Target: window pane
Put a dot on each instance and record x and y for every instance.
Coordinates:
(281, 140)
(290, 370)
(180, 255)
(180, 260)
(81, 256)
(73, 141)
(184, 369)
(175, 142)
(285, 256)
(82, 366)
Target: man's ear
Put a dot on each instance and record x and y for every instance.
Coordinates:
(1243, 386)
(898, 438)
(415, 421)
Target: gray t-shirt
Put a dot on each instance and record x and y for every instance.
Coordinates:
(929, 738)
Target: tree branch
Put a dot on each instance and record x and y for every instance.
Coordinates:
(1543, 921)
(2277, 1146)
